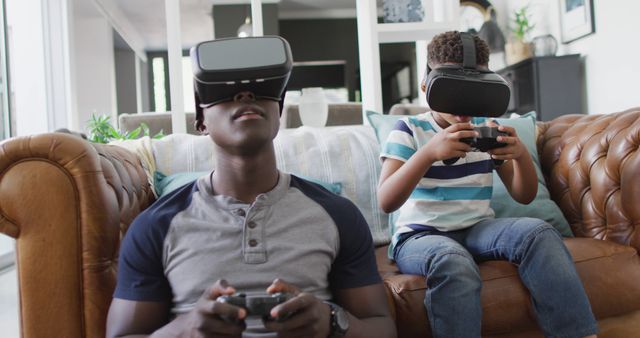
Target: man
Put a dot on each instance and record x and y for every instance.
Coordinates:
(445, 224)
(248, 227)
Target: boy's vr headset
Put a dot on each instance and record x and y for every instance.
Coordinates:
(465, 89)
(225, 67)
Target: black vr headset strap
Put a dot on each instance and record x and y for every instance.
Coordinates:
(468, 50)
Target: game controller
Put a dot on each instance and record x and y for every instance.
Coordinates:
(485, 141)
(256, 305)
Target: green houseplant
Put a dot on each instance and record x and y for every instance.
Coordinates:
(519, 46)
(101, 131)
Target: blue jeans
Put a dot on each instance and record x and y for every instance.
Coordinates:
(452, 300)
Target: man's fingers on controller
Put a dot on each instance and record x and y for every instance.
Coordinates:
(224, 310)
(294, 304)
(280, 285)
(219, 288)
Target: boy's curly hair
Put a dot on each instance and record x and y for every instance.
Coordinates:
(447, 47)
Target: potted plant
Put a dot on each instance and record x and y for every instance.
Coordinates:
(101, 131)
(519, 47)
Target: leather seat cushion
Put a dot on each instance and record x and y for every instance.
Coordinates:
(610, 273)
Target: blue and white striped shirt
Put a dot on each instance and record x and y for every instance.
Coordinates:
(448, 197)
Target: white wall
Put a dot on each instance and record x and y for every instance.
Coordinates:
(26, 50)
(610, 54)
(94, 69)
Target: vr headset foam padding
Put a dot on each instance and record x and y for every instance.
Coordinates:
(225, 67)
(465, 89)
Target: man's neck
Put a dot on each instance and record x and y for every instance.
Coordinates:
(245, 177)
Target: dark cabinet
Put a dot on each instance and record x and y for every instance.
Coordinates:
(550, 85)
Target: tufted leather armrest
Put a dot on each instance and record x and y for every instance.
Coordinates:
(67, 202)
(592, 167)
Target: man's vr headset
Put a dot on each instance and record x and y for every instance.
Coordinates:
(465, 89)
(225, 67)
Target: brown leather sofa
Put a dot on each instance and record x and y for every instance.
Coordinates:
(68, 203)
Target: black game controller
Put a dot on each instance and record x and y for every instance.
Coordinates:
(485, 141)
(256, 305)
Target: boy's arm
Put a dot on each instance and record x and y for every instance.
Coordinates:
(517, 173)
(398, 179)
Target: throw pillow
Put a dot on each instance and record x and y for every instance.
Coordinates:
(382, 124)
(165, 184)
(542, 206)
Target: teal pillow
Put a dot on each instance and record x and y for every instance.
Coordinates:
(382, 124)
(542, 206)
(502, 203)
(165, 184)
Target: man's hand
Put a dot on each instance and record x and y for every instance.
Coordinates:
(514, 149)
(304, 315)
(211, 318)
(446, 144)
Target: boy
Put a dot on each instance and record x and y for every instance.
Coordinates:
(445, 223)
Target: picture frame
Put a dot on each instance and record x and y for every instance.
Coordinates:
(576, 19)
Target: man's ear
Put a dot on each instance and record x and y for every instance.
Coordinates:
(423, 86)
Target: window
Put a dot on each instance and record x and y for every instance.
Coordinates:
(159, 74)
(7, 244)
(159, 84)
(5, 125)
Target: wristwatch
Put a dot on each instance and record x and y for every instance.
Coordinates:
(339, 321)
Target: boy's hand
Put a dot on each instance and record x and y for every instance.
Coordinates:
(446, 144)
(514, 149)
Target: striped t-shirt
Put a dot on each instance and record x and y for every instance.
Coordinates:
(448, 197)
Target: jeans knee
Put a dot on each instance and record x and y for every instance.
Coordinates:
(455, 265)
(538, 231)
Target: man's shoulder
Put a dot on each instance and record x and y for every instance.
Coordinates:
(320, 194)
(344, 212)
(159, 215)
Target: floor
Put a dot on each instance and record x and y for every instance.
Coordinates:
(9, 303)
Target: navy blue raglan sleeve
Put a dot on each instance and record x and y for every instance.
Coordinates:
(140, 270)
(141, 275)
(355, 265)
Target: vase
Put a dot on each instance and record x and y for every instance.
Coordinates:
(545, 45)
(313, 107)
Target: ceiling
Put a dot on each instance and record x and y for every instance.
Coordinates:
(148, 16)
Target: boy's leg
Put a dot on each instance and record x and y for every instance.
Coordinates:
(546, 269)
(453, 296)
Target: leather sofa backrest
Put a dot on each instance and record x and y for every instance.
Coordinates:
(592, 167)
(68, 203)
